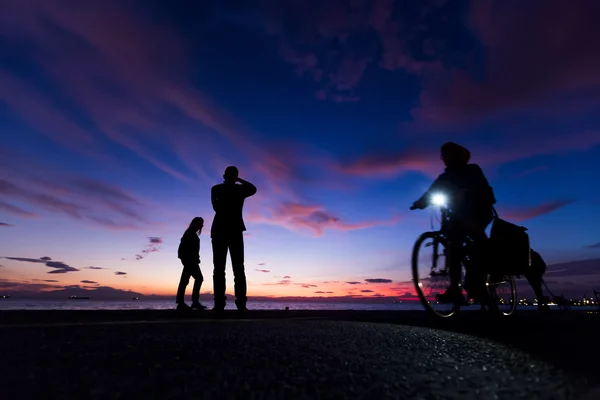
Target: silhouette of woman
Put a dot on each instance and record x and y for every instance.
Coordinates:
(189, 254)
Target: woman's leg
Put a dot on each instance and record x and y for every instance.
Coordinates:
(198, 279)
(183, 282)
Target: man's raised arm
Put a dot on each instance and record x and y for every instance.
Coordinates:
(249, 189)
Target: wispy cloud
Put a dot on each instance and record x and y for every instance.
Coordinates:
(4, 224)
(49, 190)
(153, 246)
(513, 82)
(262, 270)
(306, 285)
(525, 214)
(594, 246)
(12, 209)
(378, 280)
(57, 266)
(120, 273)
(367, 35)
(89, 282)
(298, 216)
(92, 267)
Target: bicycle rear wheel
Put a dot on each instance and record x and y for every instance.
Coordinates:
(430, 274)
(503, 292)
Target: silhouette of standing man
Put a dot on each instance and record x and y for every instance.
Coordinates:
(227, 234)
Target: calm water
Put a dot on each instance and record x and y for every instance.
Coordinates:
(24, 304)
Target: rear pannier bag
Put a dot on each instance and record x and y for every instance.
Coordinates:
(510, 253)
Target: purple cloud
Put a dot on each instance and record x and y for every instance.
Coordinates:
(58, 266)
(153, 246)
(378, 280)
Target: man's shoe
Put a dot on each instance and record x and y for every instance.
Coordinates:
(183, 307)
(197, 306)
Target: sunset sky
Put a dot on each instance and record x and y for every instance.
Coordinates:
(116, 119)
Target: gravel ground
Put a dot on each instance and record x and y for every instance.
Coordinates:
(271, 358)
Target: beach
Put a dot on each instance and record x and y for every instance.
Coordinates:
(309, 354)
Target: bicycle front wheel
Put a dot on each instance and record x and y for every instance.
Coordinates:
(430, 275)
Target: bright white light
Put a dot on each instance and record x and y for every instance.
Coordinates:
(438, 200)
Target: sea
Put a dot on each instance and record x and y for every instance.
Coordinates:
(37, 304)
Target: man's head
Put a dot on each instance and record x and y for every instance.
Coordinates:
(231, 174)
(454, 154)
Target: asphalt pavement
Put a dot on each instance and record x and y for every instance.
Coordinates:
(333, 355)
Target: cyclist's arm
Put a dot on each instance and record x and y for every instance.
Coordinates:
(437, 185)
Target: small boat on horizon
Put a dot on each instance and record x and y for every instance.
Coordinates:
(74, 297)
(135, 298)
(6, 296)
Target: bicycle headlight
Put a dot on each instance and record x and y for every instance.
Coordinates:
(439, 200)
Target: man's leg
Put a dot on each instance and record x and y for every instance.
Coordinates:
(236, 249)
(219, 247)
(183, 282)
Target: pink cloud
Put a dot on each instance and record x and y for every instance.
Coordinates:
(298, 216)
(263, 270)
(510, 148)
(390, 165)
(124, 53)
(522, 68)
(283, 282)
(523, 214)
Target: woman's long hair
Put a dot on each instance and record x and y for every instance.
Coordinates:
(196, 224)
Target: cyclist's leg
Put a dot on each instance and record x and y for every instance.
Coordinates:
(455, 249)
(477, 253)
(454, 255)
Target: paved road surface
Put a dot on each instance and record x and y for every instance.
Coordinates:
(270, 358)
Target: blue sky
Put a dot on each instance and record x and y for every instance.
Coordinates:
(117, 119)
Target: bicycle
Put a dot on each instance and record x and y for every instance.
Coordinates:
(438, 241)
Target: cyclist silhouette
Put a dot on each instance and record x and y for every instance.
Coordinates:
(470, 201)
